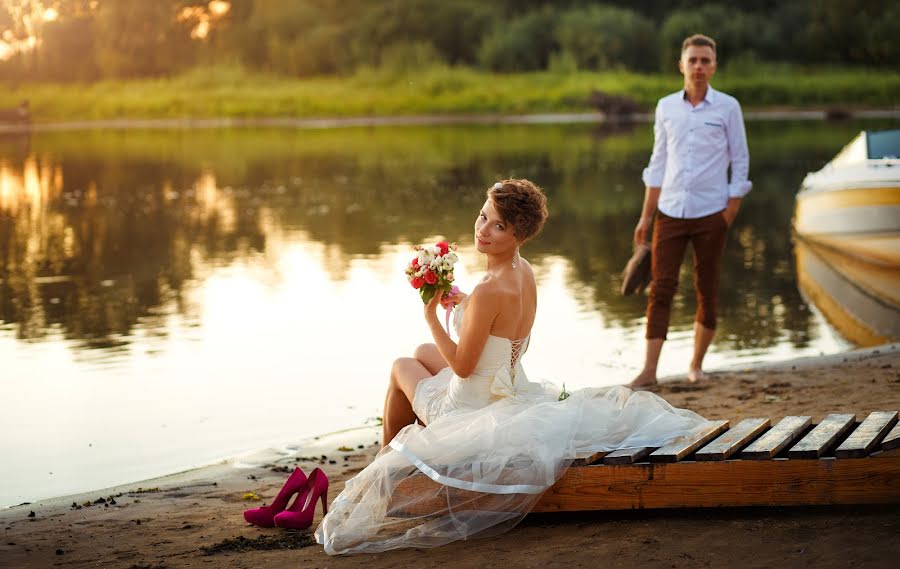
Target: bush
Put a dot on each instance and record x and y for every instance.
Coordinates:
(562, 63)
(602, 37)
(410, 56)
(736, 34)
(455, 28)
(858, 31)
(524, 44)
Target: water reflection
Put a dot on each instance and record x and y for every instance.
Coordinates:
(861, 299)
(213, 275)
(99, 230)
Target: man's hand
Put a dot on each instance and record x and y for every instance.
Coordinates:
(648, 210)
(731, 211)
(642, 230)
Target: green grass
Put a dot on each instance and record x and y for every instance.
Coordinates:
(234, 92)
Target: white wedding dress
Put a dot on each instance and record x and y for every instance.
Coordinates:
(494, 442)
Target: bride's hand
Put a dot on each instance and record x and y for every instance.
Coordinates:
(453, 298)
(432, 305)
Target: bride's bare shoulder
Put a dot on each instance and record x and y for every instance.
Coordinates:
(487, 289)
(493, 290)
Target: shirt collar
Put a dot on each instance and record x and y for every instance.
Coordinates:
(709, 98)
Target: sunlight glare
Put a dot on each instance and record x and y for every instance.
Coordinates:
(50, 15)
(219, 8)
(201, 30)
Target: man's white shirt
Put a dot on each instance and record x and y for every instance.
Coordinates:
(692, 149)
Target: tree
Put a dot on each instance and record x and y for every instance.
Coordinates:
(135, 38)
(602, 37)
(456, 29)
(736, 33)
(525, 44)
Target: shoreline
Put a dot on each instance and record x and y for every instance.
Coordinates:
(355, 435)
(774, 114)
(193, 518)
(222, 467)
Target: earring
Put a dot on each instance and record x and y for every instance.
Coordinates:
(515, 261)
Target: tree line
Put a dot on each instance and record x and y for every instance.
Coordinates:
(89, 40)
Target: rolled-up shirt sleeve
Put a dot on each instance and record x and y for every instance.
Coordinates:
(738, 153)
(656, 170)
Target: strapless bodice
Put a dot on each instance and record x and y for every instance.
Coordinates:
(495, 376)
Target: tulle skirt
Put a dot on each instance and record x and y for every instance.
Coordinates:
(476, 473)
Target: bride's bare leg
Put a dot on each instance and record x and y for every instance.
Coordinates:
(406, 374)
(430, 357)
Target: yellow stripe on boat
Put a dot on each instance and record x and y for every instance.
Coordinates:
(810, 202)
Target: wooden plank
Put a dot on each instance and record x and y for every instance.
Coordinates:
(823, 436)
(733, 440)
(680, 449)
(777, 439)
(725, 483)
(627, 455)
(867, 436)
(588, 458)
(886, 453)
(892, 440)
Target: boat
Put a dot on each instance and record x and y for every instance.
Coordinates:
(847, 247)
(853, 203)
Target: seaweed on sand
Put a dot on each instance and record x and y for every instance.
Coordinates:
(284, 540)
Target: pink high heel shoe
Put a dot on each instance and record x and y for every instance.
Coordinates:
(265, 516)
(300, 514)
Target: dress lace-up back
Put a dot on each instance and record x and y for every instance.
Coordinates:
(518, 348)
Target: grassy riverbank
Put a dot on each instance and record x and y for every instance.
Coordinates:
(234, 92)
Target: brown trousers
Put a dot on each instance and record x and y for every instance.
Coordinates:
(670, 239)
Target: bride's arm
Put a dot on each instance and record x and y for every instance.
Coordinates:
(481, 310)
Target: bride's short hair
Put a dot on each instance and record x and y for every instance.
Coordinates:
(522, 204)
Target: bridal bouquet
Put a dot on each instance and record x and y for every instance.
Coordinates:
(431, 270)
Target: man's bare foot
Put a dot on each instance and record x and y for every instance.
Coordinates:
(696, 374)
(644, 380)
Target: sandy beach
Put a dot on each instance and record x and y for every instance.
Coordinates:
(194, 519)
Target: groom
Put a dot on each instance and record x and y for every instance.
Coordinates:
(698, 132)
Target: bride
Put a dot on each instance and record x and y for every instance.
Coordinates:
(492, 441)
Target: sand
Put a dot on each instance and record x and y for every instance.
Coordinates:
(194, 519)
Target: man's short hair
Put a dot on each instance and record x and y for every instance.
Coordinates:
(698, 40)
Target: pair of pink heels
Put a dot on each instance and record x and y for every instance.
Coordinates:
(299, 515)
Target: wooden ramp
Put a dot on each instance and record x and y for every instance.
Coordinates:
(838, 461)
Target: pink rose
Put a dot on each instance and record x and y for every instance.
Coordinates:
(430, 277)
(415, 263)
(444, 247)
(418, 282)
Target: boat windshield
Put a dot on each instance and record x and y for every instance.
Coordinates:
(884, 144)
(853, 153)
